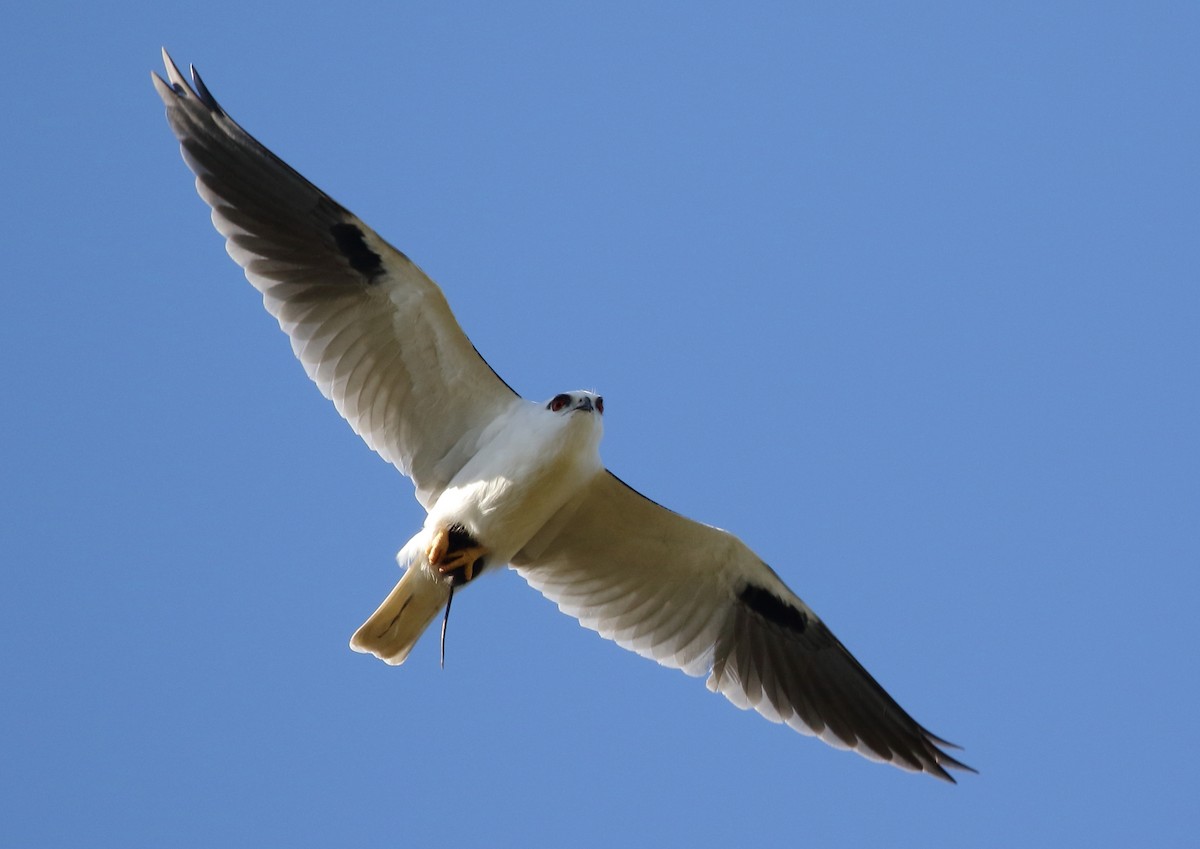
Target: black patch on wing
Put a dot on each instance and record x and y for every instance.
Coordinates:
(353, 246)
(772, 608)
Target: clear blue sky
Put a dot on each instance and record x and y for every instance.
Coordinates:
(905, 295)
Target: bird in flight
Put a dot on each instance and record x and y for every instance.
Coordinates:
(504, 480)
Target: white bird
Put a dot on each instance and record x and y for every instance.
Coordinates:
(509, 481)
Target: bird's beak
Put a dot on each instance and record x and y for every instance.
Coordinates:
(585, 405)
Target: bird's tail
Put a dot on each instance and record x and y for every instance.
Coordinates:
(409, 609)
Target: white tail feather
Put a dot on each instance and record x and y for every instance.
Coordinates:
(409, 609)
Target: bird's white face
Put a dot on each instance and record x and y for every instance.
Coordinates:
(568, 403)
(580, 413)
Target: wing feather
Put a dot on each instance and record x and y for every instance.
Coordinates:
(696, 598)
(372, 331)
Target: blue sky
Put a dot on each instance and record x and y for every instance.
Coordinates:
(905, 295)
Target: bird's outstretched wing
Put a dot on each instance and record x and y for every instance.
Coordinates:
(373, 332)
(698, 599)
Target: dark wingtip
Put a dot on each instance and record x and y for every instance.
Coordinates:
(175, 79)
(160, 85)
(178, 83)
(955, 763)
(945, 761)
(937, 772)
(204, 94)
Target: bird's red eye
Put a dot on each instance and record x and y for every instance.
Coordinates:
(599, 405)
(558, 403)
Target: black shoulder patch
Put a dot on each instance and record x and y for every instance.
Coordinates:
(353, 246)
(772, 608)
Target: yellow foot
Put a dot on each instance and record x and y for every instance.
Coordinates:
(455, 554)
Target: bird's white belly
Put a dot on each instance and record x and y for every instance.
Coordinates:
(521, 475)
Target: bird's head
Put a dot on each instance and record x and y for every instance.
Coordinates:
(581, 401)
(579, 419)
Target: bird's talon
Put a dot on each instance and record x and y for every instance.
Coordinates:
(456, 555)
(458, 575)
(438, 547)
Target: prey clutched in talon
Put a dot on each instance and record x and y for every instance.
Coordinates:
(458, 557)
(456, 554)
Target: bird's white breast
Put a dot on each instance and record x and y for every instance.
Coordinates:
(530, 461)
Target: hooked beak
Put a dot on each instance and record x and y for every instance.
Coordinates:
(585, 405)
